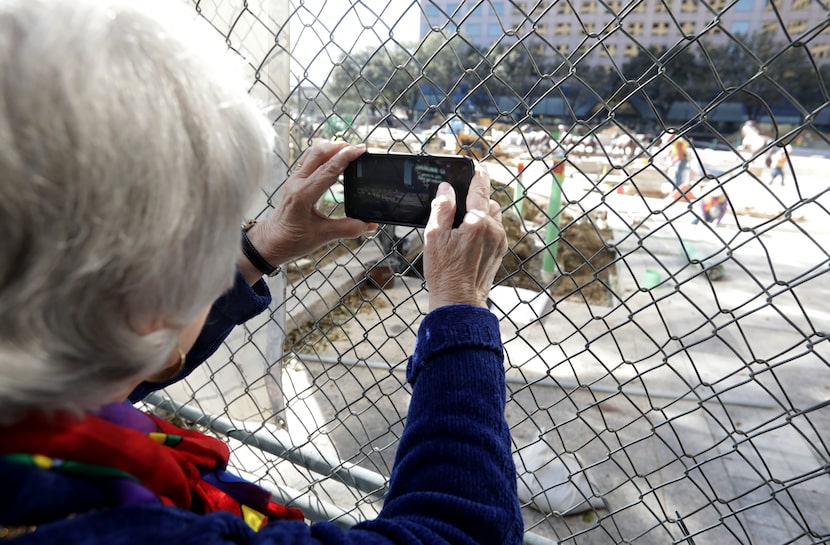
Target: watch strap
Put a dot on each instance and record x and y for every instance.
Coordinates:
(254, 256)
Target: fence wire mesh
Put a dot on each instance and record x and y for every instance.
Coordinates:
(665, 326)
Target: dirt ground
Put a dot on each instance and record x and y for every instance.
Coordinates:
(583, 262)
(583, 258)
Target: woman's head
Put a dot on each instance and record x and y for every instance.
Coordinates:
(128, 156)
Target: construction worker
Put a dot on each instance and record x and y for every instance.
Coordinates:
(779, 161)
(679, 157)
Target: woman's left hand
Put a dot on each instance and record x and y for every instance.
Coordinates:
(295, 227)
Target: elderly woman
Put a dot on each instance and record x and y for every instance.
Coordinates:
(128, 158)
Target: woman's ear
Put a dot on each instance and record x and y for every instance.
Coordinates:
(186, 339)
(175, 364)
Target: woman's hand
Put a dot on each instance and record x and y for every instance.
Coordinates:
(295, 227)
(460, 264)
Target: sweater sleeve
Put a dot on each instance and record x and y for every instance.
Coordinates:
(454, 480)
(238, 305)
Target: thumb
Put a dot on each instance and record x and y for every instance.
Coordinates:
(347, 227)
(443, 207)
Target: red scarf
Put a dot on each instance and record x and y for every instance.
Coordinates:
(171, 463)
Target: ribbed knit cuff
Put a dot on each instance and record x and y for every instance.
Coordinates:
(242, 302)
(451, 328)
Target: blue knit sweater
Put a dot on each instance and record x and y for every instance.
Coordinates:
(453, 480)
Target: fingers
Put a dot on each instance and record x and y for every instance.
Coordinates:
(478, 196)
(495, 211)
(321, 165)
(313, 157)
(337, 228)
(442, 208)
(296, 226)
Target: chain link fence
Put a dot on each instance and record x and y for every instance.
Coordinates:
(665, 326)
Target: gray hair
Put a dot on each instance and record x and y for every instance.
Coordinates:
(129, 153)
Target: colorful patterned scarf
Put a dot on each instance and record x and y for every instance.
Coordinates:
(144, 459)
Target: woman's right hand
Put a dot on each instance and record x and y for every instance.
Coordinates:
(296, 227)
(460, 264)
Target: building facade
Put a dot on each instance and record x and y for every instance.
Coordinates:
(617, 30)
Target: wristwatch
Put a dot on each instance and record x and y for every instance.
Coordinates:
(253, 255)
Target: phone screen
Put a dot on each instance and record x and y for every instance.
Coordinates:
(398, 189)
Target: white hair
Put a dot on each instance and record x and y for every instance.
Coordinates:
(129, 152)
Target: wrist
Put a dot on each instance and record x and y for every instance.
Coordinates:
(437, 301)
(254, 263)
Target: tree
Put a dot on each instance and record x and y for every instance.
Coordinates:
(452, 67)
(764, 74)
(377, 79)
(514, 70)
(583, 81)
(824, 83)
(661, 77)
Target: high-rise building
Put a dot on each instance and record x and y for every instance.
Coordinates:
(618, 30)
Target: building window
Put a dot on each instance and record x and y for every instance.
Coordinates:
(520, 8)
(745, 5)
(541, 7)
(538, 50)
(660, 29)
(635, 29)
(494, 30)
(541, 29)
(588, 6)
(689, 6)
(431, 11)
(631, 50)
(740, 27)
(660, 6)
(799, 5)
(821, 51)
(498, 8)
(472, 30)
(563, 29)
(614, 6)
(688, 28)
(589, 28)
(612, 49)
(641, 7)
(563, 8)
(769, 27)
(797, 27)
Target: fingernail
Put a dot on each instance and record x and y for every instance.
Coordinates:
(443, 189)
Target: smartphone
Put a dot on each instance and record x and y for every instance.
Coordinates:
(397, 189)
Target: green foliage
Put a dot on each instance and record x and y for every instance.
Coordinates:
(761, 73)
(663, 77)
(450, 74)
(378, 81)
(374, 79)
